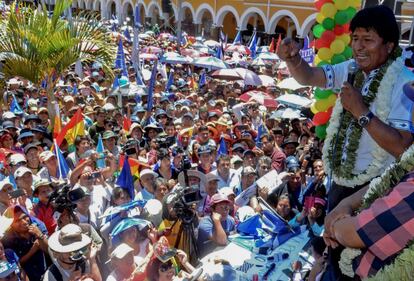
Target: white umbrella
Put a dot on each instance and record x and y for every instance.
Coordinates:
(290, 84)
(295, 101)
(267, 81)
(268, 56)
(209, 63)
(282, 65)
(143, 36)
(287, 113)
(211, 43)
(146, 74)
(174, 58)
(258, 62)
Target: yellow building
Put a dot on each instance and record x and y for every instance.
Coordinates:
(269, 17)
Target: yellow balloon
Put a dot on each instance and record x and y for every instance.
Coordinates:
(355, 3)
(317, 60)
(322, 105)
(331, 100)
(337, 46)
(320, 18)
(342, 4)
(313, 109)
(344, 38)
(325, 54)
(328, 10)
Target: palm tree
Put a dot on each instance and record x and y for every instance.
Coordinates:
(37, 46)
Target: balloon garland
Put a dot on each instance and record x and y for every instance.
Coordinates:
(333, 38)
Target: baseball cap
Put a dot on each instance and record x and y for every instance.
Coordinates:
(227, 191)
(46, 155)
(147, 172)
(21, 171)
(218, 198)
(121, 251)
(248, 170)
(17, 158)
(212, 177)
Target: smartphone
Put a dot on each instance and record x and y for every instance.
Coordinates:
(94, 175)
(16, 193)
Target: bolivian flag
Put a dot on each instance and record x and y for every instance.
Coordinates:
(136, 165)
(75, 127)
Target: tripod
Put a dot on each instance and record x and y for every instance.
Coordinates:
(186, 233)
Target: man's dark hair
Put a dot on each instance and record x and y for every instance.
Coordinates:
(223, 157)
(79, 139)
(318, 245)
(379, 18)
(203, 128)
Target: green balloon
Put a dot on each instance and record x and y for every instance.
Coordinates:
(328, 23)
(350, 12)
(320, 131)
(323, 62)
(347, 53)
(341, 17)
(322, 94)
(338, 59)
(318, 30)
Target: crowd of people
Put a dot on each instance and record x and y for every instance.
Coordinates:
(194, 160)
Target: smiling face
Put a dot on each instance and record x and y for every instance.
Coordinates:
(369, 49)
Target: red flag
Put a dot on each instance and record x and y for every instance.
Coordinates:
(272, 45)
(278, 43)
(75, 127)
(126, 123)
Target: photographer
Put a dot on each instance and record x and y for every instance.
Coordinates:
(73, 255)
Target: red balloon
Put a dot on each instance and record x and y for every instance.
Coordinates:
(319, 43)
(339, 30)
(330, 111)
(328, 36)
(321, 118)
(346, 28)
(319, 4)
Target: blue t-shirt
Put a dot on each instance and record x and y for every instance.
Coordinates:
(205, 232)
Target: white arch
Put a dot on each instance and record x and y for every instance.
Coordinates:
(88, 4)
(151, 7)
(117, 8)
(97, 5)
(307, 24)
(189, 6)
(223, 12)
(200, 12)
(248, 13)
(125, 7)
(278, 16)
(405, 27)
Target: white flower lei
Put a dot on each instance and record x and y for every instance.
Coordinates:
(383, 107)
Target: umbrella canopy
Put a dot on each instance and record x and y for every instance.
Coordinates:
(164, 35)
(174, 58)
(267, 81)
(209, 63)
(268, 56)
(152, 50)
(238, 48)
(143, 36)
(146, 56)
(294, 101)
(290, 84)
(211, 43)
(248, 76)
(260, 97)
(262, 49)
(150, 32)
(190, 52)
(258, 62)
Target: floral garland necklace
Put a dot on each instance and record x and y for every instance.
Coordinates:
(343, 128)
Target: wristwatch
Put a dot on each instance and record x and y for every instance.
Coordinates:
(364, 119)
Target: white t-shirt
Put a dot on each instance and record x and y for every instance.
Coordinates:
(400, 116)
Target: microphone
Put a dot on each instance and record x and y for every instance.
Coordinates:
(352, 70)
(408, 90)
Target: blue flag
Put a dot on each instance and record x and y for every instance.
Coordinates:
(150, 102)
(170, 81)
(63, 168)
(238, 38)
(125, 179)
(125, 224)
(122, 208)
(100, 163)
(137, 17)
(260, 132)
(127, 35)
(15, 107)
(116, 83)
(253, 45)
(202, 81)
(75, 89)
(140, 82)
(120, 59)
(222, 147)
(222, 36)
(219, 53)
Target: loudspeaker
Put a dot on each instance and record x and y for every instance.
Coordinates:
(166, 6)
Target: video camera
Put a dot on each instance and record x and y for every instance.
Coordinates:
(64, 198)
(165, 142)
